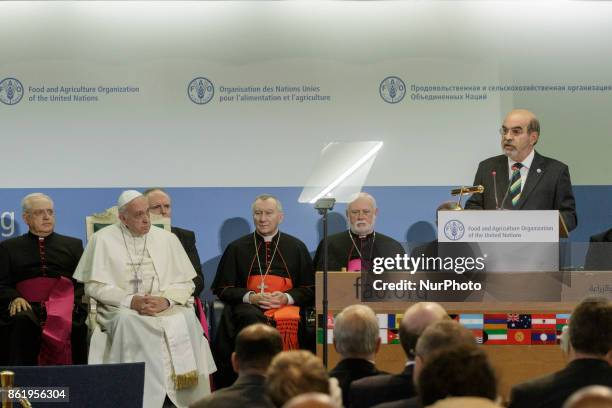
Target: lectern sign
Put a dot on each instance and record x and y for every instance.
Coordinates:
(498, 226)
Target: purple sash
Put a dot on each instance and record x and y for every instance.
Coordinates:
(57, 296)
(203, 320)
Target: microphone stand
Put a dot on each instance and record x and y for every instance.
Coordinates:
(324, 205)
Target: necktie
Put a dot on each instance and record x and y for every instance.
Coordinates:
(515, 184)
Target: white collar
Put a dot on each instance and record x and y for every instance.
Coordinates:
(526, 163)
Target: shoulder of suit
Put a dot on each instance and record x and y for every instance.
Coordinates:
(605, 236)
(69, 239)
(293, 239)
(549, 161)
(183, 231)
(493, 160)
(383, 237)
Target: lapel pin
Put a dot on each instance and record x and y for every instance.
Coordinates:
(538, 171)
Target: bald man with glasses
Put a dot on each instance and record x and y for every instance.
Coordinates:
(521, 178)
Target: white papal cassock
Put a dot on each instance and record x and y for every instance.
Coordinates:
(116, 265)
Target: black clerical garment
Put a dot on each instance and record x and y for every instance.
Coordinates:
(290, 259)
(21, 258)
(346, 246)
(284, 256)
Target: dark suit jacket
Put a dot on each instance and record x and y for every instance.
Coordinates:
(188, 242)
(548, 187)
(551, 391)
(599, 256)
(349, 370)
(382, 388)
(412, 402)
(248, 391)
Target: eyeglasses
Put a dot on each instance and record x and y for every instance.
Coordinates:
(515, 131)
(41, 211)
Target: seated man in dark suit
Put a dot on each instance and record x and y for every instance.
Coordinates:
(383, 388)
(436, 337)
(590, 356)
(357, 340)
(256, 345)
(599, 256)
(160, 203)
(458, 376)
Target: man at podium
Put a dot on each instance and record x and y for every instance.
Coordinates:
(355, 249)
(522, 179)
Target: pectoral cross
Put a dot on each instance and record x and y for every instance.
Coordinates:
(136, 281)
(262, 286)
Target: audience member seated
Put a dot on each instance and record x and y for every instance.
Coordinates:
(436, 337)
(256, 346)
(599, 255)
(594, 396)
(590, 356)
(458, 377)
(42, 317)
(295, 372)
(383, 388)
(357, 340)
(312, 400)
(142, 280)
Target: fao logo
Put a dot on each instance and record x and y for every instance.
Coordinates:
(454, 230)
(200, 90)
(392, 89)
(11, 91)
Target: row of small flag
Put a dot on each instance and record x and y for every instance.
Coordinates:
(488, 328)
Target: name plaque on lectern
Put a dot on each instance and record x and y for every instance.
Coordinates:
(509, 240)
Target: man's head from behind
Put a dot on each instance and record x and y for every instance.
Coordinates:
(159, 202)
(133, 210)
(415, 320)
(38, 213)
(458, 371)
(590, 329)
(438, 336)
(256, 346)
(361, 214)
(356, 332)
(295, 372)
(594, 396)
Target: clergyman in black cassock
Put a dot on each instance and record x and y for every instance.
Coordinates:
(356, 248)
(248, 278)
(24, 260)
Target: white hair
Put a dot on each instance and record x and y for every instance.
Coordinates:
(26, 202)
(356, 331)
(363, 195)
(264, 197)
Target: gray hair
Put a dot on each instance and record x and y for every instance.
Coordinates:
(441, 335)
(26, 202)
(264, 197)
(154, 189)
(363, 195)
(356, 331)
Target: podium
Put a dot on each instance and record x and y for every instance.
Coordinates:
(513, 363)
(525, 241)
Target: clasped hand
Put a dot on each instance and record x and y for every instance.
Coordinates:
(149, 305)
(266, 301)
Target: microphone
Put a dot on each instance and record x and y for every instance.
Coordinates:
(467, 190)
(494, 174)
(507, 189)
